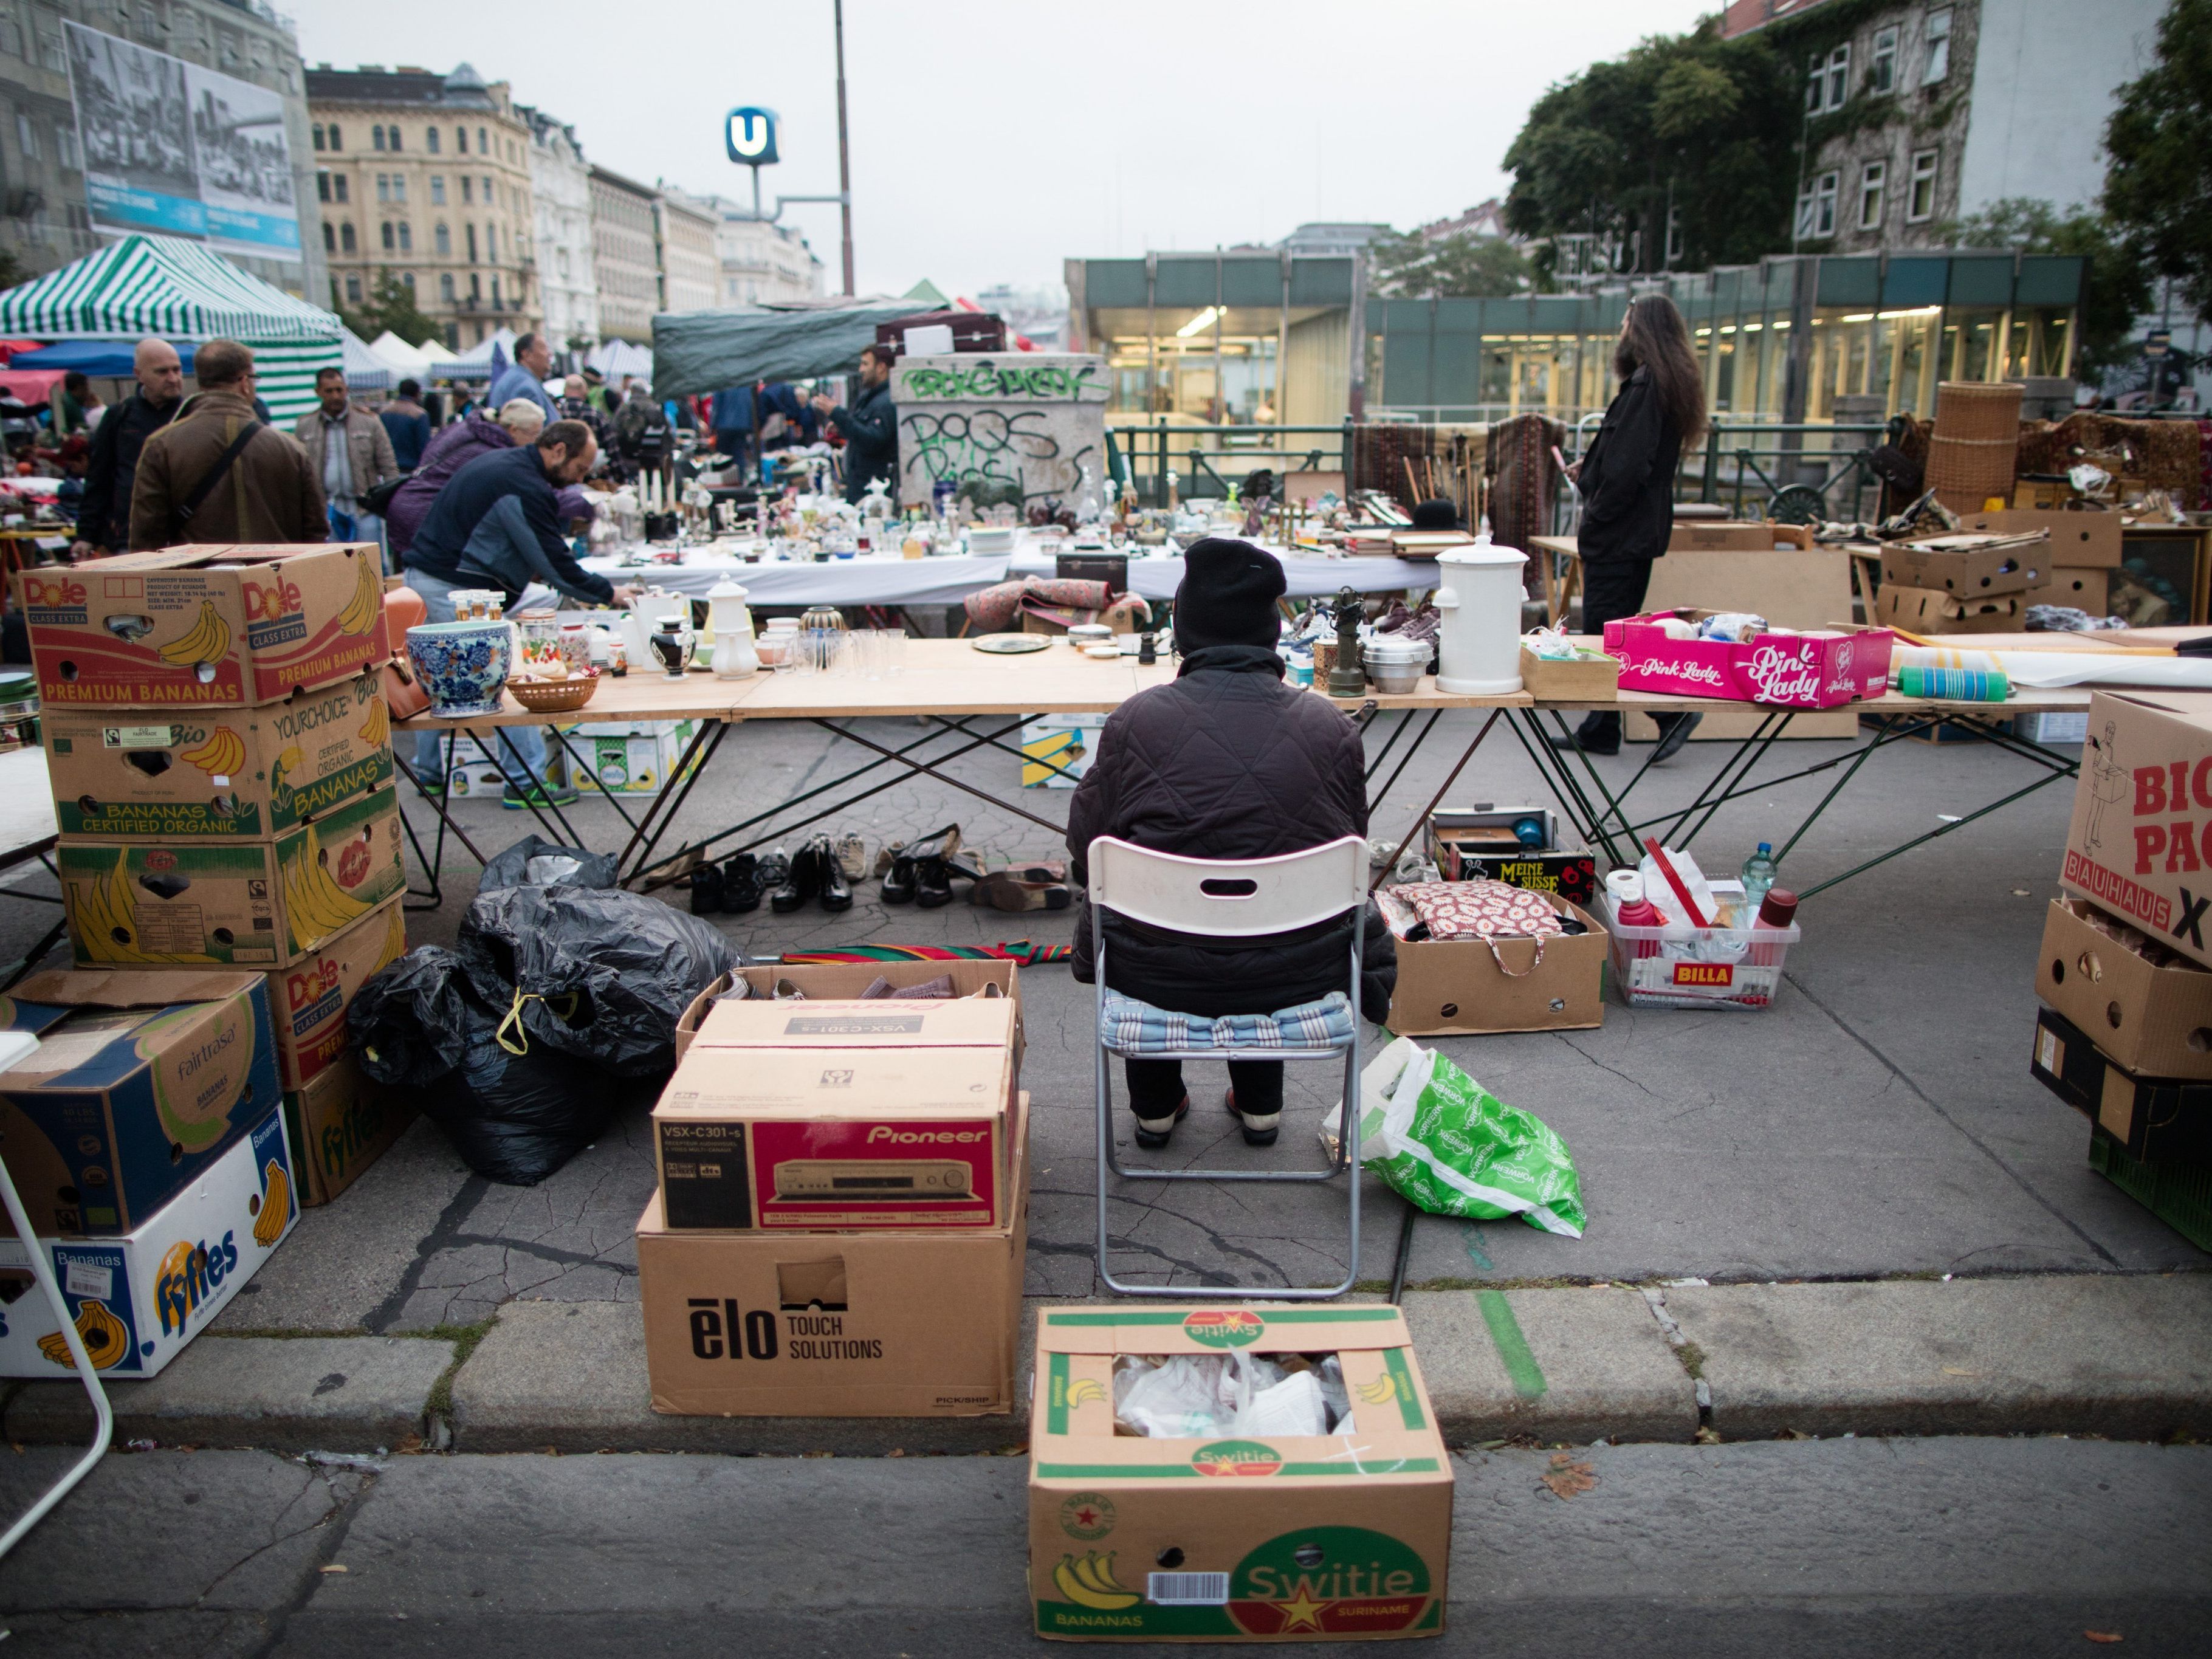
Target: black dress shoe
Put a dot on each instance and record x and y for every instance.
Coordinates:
(834, 891)
(1260, 1130)
(933, 883)
(1674, 731)
(799, 885)
(898, 882)
(707, 890)
(741, 883)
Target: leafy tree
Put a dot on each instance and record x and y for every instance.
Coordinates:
(1462, 265)
(2158, 188)
(2116, 287)
(391, 306)
(1691, 126)
(12, 270)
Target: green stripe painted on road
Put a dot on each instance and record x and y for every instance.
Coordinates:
(1521, 1367)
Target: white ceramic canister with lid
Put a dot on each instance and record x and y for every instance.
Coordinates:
(1479, 646)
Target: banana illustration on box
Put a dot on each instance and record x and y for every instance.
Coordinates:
(1083, 1392)
(207, 640)
(222, 755)
(378, 732)
(1090, 1582)
(367, 603)
(105, 1341)
(1381, 1392)
(280, 773)
(108, 919)
(395, 942)
(276, 1205)
(316, 905)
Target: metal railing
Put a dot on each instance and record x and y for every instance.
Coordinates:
(1746, 466)
(1207, 460)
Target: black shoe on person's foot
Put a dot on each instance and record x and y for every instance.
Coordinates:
(1154, 1133)
(1598, 734)
(741, 883)
(800, 884)
(1261, 1128)
(1674, 731)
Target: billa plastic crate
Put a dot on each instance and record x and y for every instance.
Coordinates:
(1697, 968)
(2180, 1194)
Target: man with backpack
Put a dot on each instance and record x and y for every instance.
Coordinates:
(219, 472)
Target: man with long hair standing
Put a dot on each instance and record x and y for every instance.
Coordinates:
(1628, 483)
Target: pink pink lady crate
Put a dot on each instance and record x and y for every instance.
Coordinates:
(1785, 670)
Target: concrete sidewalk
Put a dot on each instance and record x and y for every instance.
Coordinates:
(2117, 1356)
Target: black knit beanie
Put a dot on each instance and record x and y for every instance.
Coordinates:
(1228, 596)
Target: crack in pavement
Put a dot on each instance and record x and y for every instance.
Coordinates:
(448, 1224)
(339, 1500)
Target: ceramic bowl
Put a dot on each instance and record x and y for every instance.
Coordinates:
(462, 664)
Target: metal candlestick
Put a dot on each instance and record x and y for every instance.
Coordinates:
(1345, 678)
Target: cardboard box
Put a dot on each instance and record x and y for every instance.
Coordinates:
(339, 1125)
(873, 1324)
(2155, 1019)
(2077, 539)
(1455, 986)
(1785, 671)
(141, 1082)
(1057, 750)
(1592, 677)
(637, 757)
(815, 1115)
(210, 627)
(1736, 536)
(147, 773)
(1929, 611)
(138, 1300)
(265, 904)
(1956, 565)
(1322, 1538)
(2139, 844)
(844, 981)
(2084, 587)
(2180, 1194)
(2158, 1120)
(310, 996)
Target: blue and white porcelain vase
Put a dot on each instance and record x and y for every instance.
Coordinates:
(462, 664)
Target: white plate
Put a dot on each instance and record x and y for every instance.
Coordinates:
(1012, 645)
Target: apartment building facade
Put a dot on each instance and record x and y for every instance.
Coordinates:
(625, 256)
(690, 264)
(561, 199)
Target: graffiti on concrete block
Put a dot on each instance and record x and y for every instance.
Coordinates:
(994, 446)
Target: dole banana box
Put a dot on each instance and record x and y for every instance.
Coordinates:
(141, 1083)
(263, 904)
(1324, 1538)
(137, 1300)
(2140, 841)
(205, 627)
(837, 1324)
(310, 997)
(813, 1113)
(219, 774)
(338, 1125)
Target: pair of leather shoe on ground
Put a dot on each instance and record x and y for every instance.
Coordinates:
(1261, 1128)
(920, 872)
(1600, 734)
(813, 873)
(735, 885)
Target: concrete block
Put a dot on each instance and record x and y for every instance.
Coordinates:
(1575, 1365)
(2127, 1357)
(287, 1394)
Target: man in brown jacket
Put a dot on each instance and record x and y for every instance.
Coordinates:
(217, 473)
(350, 469)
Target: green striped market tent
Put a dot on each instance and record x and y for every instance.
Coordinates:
(142, 285)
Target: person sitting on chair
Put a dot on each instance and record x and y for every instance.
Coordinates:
(1226, 761)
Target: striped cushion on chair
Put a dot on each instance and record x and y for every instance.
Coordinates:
(1127, 1026)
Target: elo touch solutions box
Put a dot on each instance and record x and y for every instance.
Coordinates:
(812, 1114)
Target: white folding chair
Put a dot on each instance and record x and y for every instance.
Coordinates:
(1229, 899)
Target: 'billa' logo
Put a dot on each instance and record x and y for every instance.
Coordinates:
(1224, 1328)
(190, 1274)
(1704, 973)
(1240, 1459)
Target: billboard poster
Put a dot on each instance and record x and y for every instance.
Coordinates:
(180, 150)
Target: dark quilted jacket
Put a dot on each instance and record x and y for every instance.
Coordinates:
(1227, 762)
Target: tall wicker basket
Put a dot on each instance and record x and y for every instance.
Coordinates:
(1972, 455)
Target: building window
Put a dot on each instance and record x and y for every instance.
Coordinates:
(27, 136)
(430, 140)
(395, 137)
(1882, 68)
(407, 281)
(452, 336)
(383, 184)
(487, 184)
(322, 187)
(346, 242)
(491, 243)
(1872, 179)
(1920, 204)
(495, 291)
(330, 237)
(352, 289)
(461, 141)
(1827, 81)
(406, 237)
(446, 286)
(390, 239)
(441, 238)
(339, 188)
(484, 143)
(471, 230)
(468, 188)
(1816, 209)
(1939, 47)
(65, 145)
(475, 287)
(399, 187)
(1674, 234)
(11, 37)
(437, 188)
(50, 52)
(318, 135)
(337, 140)
(376, 137)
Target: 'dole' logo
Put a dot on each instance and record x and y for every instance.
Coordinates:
(1224, 1328)
(278, 598)
(52, 591)
(310, 986)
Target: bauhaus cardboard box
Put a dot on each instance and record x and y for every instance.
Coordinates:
(205, 627)
(840, 1114)
(140, 1082)
(2140, 842)
(138, 1299)
(229, 774)
(245, 903)
(1243, 1537)
(837, 1324)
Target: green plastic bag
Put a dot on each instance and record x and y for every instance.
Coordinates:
(1441, 1140)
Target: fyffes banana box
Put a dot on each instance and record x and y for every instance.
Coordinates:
(265, 904)
(1284, 1538)
(141, 1082)
(225, 775)
(137, 1300)
(340, 1124)
(205, 627)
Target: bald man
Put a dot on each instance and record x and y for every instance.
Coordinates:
(103, 523)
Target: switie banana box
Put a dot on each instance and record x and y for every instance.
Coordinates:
(138, 1300)
(262, 903)
(141, 1083)
(205, 627)
(225, 774)
(1323, 1538)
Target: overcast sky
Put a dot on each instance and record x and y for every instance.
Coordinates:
(992, 139)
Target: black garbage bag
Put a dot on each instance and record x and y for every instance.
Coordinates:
(534, 861)
(600, 975)
(513, 1116)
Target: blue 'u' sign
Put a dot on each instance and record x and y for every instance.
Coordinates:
(751, 134)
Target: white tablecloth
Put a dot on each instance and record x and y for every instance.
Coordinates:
(1305, 575)
(838, 582)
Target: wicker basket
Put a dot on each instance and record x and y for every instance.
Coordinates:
(1965, 473)
(554, 696)
(1978, 409)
